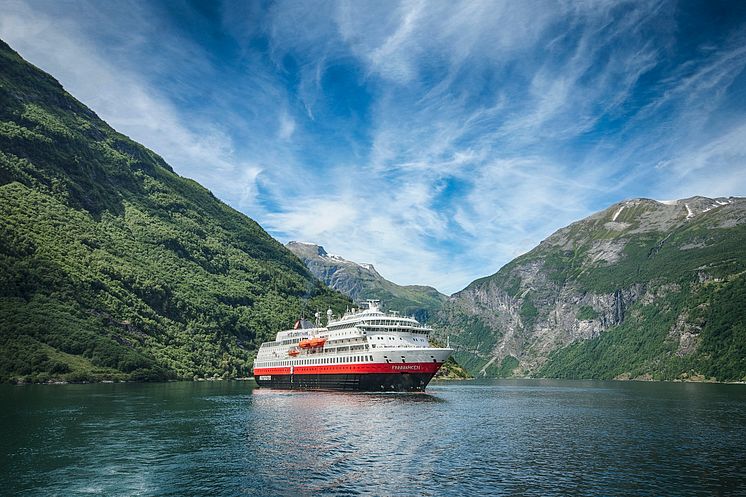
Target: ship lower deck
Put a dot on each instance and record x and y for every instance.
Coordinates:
(371, 382)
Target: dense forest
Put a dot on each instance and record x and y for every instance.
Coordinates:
(113, 267)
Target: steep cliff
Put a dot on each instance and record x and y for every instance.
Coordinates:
(643, 289)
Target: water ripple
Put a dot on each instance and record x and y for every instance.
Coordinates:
(499, 438)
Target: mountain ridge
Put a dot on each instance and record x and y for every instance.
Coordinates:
(362, 281)
(639, 262)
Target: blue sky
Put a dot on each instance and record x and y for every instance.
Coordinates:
(437, 140)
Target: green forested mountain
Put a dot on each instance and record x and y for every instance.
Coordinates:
(113, 266)
(643, 289)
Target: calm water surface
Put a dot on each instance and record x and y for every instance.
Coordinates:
(466, 438)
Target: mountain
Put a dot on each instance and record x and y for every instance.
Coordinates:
(114, 267)
(643, 289)
(362, 281)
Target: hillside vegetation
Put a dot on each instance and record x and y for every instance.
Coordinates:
(643, 289)
(114, 267)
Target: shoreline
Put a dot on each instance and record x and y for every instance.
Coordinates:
(455, 379)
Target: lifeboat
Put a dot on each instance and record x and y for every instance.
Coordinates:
(293, 352)
(312, 343)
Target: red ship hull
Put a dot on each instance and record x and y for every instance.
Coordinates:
(361, 377)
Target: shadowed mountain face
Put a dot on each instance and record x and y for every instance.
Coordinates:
(362, 281)
(643, 289)
(113, 266)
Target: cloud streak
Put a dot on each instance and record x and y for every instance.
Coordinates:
(436, 140)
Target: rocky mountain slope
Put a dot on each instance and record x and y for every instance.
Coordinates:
(643, 289)
(114, 267)
(362, 281)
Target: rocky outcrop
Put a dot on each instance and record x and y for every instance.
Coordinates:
(638, 263)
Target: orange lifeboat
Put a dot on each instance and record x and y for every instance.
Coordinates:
(293, 352)
(312, 343)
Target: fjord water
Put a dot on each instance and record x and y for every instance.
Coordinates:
(466, 438)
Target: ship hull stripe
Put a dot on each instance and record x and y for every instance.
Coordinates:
(375, 368)
(371, 382)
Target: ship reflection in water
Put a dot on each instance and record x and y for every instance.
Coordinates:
(507, 437)
(326, 442)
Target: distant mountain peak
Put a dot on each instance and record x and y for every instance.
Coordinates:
(361, 281)
(304, 247)
(308, 249)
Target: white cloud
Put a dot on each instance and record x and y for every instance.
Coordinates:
(286, 127)
(197, 149)
(489, 124)
(572, 66)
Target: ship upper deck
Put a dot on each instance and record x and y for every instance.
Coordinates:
(373, 319)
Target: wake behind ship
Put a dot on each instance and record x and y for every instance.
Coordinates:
(363, 350)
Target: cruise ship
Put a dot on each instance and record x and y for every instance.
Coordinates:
(365, 349)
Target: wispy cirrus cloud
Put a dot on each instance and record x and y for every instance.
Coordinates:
(436, 140)
(122, 95)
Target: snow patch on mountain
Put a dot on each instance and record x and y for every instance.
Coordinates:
(689, 213)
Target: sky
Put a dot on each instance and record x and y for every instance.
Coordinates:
(437, 140)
